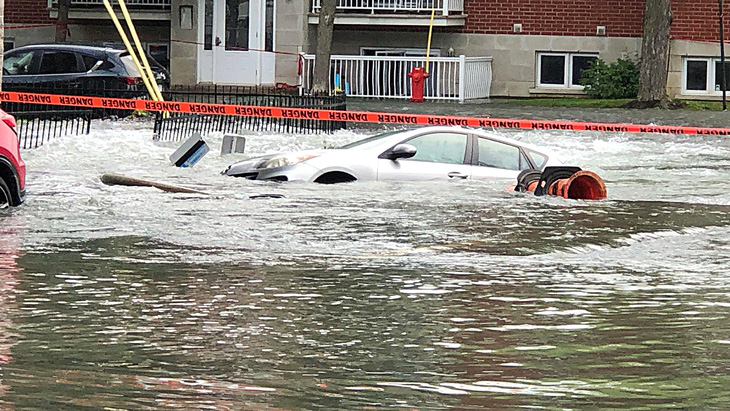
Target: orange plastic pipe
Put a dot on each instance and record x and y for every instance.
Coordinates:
(583, 185)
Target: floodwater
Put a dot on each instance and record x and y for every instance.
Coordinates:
(453, 294)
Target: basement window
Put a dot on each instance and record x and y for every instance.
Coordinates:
(562, 69)
(702, 75)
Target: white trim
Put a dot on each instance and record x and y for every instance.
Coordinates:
(407, 51)
(710, 74)
(567, 69)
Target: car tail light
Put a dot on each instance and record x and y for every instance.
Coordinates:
(9, 120)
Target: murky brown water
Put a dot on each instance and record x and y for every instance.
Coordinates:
(425, 296)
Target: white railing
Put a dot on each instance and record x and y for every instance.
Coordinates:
(450, 78)
(53, 4)
(442, 7)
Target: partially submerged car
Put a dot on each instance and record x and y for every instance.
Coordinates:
(12, 167)
(75, 66)
(427, 153)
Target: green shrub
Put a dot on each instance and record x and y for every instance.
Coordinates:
(619, 79)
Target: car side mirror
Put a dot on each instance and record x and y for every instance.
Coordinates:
(402, 151)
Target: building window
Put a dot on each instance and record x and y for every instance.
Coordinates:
(160, 52)
(562, 70)
(702, 75)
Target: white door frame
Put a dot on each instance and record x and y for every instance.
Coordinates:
(251, 66)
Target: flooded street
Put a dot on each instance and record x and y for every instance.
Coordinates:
(456, 294)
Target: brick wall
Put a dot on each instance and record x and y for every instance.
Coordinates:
(26, 12)
(622, 18)
(698, 20)
(693, 19)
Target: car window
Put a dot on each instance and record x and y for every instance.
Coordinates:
(496, 154)
(59, 62)
(538, 159)
(89, 61)
(440, 147)
(18, 63)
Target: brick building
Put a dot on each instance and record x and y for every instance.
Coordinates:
(538, 46)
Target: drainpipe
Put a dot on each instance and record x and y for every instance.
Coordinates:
(722, 58)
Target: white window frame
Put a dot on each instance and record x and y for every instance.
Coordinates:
(710, 82)
(568, 69)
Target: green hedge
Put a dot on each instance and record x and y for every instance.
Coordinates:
(619, 79)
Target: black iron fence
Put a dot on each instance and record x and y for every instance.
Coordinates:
(178, 126)
(39, 123)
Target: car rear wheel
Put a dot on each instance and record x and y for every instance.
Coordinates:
(5, 197)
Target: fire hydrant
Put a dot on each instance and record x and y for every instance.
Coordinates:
(418, 78)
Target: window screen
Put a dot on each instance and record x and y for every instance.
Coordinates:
(696, 75)
(580, 63)
(552, 70)
(718, 75)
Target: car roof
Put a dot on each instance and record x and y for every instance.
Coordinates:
(69, 47)
(486, 133)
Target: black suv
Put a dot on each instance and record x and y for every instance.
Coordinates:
(75, 66)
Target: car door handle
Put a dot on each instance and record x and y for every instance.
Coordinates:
(456, 174)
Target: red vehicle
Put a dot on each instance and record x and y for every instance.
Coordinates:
(12, 167)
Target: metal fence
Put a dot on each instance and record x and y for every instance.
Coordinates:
(178, 126)
(164, 4)
(36, 128)
(450, 78)
(39, 123)
(443, 7)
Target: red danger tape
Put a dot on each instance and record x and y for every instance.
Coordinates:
(353, 116)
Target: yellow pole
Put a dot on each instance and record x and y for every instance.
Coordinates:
(141, 52)
(129, 49)
(430, 30)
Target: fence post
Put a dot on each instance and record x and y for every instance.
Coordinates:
(462, 77)
(446, 8)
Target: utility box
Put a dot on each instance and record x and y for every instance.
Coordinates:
(233, 143)
(190, 152)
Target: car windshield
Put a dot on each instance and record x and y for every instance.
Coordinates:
(369, 139)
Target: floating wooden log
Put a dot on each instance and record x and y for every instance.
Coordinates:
(120, 180)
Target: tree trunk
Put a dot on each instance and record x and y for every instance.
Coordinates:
(324, 47)
(655, 54)
(62, 22)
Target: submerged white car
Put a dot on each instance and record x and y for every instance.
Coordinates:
(427, 153)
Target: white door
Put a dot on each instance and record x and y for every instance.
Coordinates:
(237, 42)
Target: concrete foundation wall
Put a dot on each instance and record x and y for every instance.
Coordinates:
(184, 52)
(681, 49)
(290, 37)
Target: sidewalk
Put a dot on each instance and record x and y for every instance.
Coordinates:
(500, 109)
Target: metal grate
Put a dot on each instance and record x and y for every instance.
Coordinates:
(178, 126)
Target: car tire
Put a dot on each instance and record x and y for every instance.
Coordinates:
(6, 198)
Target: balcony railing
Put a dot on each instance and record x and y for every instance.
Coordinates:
(158, 4)
(442, 7)
(450, 78)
